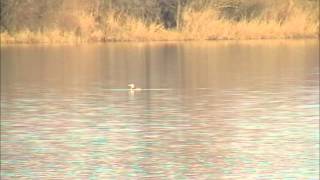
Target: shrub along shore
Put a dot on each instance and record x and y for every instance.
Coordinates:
(189, 21)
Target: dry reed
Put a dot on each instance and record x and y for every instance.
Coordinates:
(204, 24)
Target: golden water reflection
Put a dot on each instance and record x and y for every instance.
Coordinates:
(218, 110)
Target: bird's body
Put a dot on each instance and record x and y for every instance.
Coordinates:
(133, 88)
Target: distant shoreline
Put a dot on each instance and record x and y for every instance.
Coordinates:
(160, 41)
(36, 38)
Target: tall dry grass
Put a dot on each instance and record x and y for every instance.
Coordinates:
(196, 24)
(122, 27)
(207, 24)
(49, 36)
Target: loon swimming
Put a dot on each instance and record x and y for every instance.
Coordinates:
(133, 88)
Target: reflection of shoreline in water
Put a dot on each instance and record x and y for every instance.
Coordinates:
(173, 65)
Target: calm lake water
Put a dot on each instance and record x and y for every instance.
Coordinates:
(207, 110)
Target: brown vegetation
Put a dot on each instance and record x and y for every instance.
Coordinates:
(196, 20)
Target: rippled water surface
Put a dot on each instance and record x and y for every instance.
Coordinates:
(211, 110)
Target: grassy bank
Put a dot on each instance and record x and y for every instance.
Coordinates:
(195, 23)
